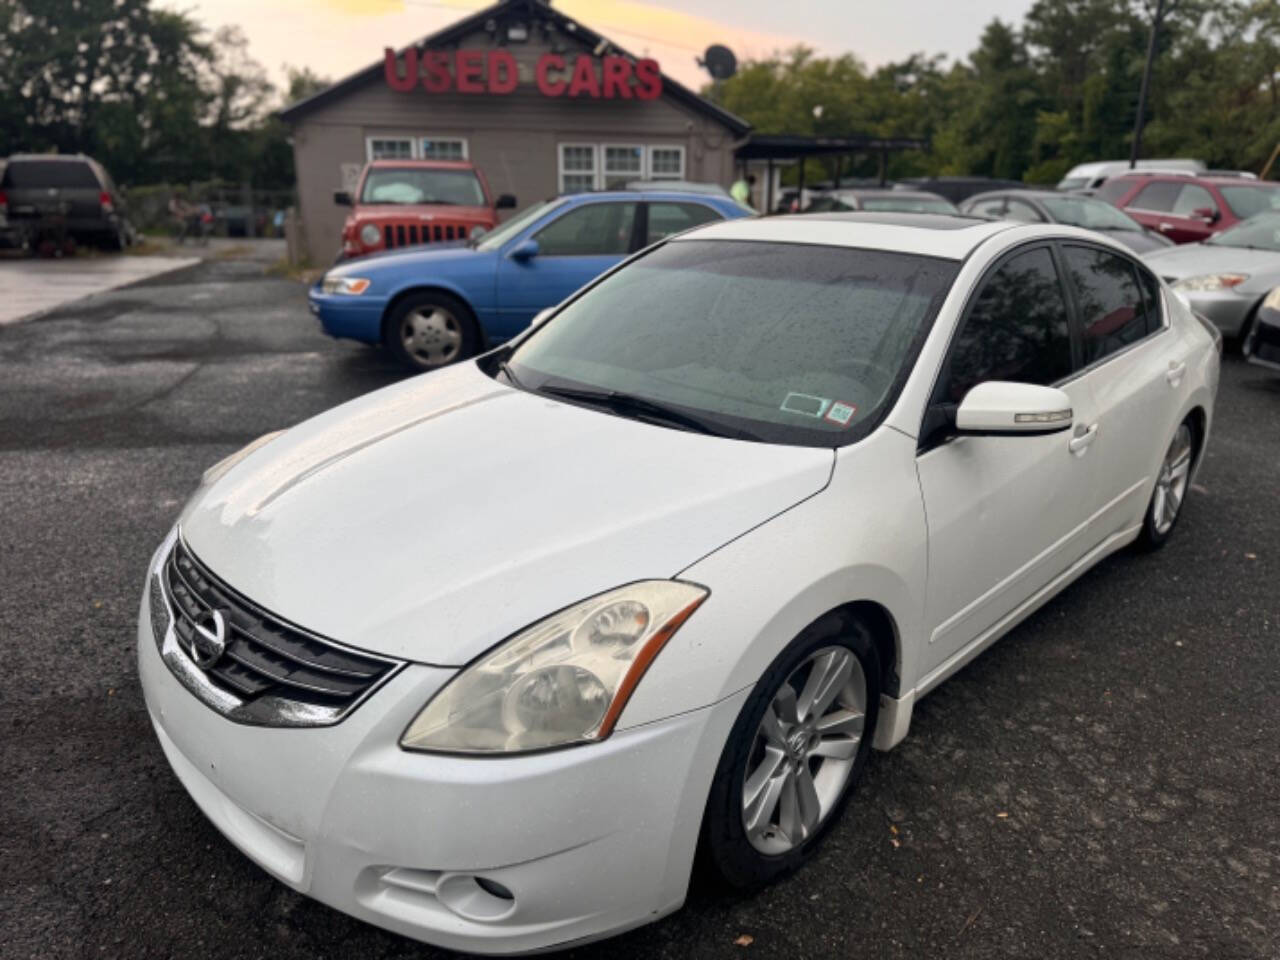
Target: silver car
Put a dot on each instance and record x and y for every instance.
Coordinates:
(1227, 277)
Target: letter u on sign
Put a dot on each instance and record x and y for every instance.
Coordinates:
(395, 80)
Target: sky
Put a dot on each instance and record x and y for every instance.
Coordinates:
(338, 37)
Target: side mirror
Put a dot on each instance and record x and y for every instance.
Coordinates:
(525, 250)
(999, 408)
(342, 198)
(541, 317)
(506, 201)
(1207, 214)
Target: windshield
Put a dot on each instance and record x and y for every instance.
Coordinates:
(908, 204)
(417, 185)
(1259, 233)
(1247, 201)
(1074, 183)
(63, 174)
(505, 231)
(788, 343)
(1088, 213)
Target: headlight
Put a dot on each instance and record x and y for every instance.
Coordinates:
(370, 235)
(226, 463)
(563, 680)
(477, 232)
(347, 285)
(1272, 302)
(1211, 281)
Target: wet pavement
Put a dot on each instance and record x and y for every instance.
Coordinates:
(1101, 783)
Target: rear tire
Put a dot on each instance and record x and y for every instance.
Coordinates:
(1173, 483)
(430, 330)
(784, 778)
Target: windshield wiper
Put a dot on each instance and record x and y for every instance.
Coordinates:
(624, 403)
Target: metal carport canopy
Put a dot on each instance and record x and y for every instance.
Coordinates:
(790, 146)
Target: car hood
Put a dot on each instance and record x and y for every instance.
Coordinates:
(406, 259)
(1193, 260)
(430, 520)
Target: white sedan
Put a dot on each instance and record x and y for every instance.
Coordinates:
(481, 657)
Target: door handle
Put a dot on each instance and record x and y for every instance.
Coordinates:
(1166, 227)
(1084, 436)
(1176, 370)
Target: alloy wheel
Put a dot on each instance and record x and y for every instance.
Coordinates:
(1171, 484)
(432, 336)
(804, 750)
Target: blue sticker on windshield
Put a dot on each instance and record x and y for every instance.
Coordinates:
(806, 405)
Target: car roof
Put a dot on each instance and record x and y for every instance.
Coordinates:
(423, 164)
(50, 157)
(930, 234)
(1217, 179)
(677, 196)
(1026, 194)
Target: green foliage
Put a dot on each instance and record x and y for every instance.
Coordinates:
(1031, 101)
(146, 91)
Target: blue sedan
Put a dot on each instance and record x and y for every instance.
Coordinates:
(434, 305)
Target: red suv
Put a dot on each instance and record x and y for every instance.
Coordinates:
(401, 203)
(1186, 208)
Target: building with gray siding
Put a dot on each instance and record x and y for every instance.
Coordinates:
(541, 103)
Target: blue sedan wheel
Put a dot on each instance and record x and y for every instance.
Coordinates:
(431, 330)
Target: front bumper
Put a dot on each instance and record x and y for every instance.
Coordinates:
(1263, 347)
(589, 841)
(1225, 309)
(348, 317)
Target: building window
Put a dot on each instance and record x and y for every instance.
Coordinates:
(622, 163)
(666, 163)
(577, 167)
(415, 148)
(446, 148)
(389, 148)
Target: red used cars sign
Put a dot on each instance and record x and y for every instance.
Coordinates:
(495, 72)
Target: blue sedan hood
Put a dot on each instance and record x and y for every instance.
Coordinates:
(406, 258)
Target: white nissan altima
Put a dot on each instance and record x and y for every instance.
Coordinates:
(485, 657)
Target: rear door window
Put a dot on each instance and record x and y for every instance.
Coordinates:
(1113, 313)
(1159, 197)
(49, 174)
(666, 219)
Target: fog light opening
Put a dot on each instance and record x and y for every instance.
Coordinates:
(494, 888)
(475, 898)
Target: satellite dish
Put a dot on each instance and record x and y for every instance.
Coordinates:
(719, 62)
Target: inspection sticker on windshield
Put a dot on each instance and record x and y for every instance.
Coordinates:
(806, 405)
(841, 413)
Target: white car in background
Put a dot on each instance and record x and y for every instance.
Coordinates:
(480, 657)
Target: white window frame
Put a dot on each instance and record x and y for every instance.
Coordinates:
(648, 161)
(385, 138)
(415, 144)
(603, 179)
(594, 173)
(421, 154)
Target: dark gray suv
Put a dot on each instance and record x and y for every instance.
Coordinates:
(53, 199)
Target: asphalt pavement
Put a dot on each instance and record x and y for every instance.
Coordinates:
(1104, 782)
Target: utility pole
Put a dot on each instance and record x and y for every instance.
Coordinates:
(1138, 122)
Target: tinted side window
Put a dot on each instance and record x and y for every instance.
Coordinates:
(1192, 198)
(1157, 196)
(61, 174)
(1151, 299)
(993, 208)
(593, 229)
(1016, 330)
(1113, 190)
(1023, 212)
(1111, 306)
(668, 218)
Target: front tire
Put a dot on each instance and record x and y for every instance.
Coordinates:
(430, 330)
(1173, 482)
(795, 753)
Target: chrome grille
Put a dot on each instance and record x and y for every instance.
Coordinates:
(269, 671)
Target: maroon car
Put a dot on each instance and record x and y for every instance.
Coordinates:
(404, 203)
(1188, 209)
